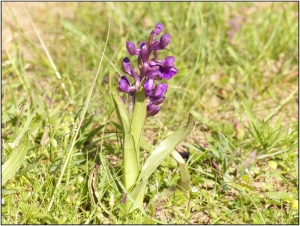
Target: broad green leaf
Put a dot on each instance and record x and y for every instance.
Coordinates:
(122, 112)
(130, 160)
(138, 196)
(11, 166)
(159, 154)
(164, 149)
(184, 180)
(228, 182)
(138, 119)
(280, 195)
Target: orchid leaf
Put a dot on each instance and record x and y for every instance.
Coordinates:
(122, 113)
(164, 149)
(185, 177)
(138, 196)
(130, 161)
(138, 119)
(159, 154)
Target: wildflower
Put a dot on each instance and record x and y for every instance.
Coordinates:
(151, 69)
(12, 145)
(194, 189)
(215, 165)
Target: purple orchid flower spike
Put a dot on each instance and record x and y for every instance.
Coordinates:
(150, 69)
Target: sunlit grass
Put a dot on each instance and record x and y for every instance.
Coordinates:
(238, 65)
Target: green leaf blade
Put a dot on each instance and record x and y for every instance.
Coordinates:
(11, 166)
(138, 119)
(122, 113)
(164, 149)
(131, 166)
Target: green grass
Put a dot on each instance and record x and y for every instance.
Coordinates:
(249, 79)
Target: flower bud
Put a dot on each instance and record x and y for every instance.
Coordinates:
(144, 53)
(158, 28)
(160, 90)
(169, 73)
(157, 100)
(164, 41)
(152, 109)
(168, 61)
(149, 84)
(131, 48)
(155, 46)
(126, 65)
(124, 84)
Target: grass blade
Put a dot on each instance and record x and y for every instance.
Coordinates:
(80, 122)
(48, 55)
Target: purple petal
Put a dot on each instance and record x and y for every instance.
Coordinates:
(155, 45)
(152, 109)
(142, 44)
(136, 77)
(169, 73)
(126, 65)
(160, 89)
(144, 53)
(131, 48)
(154, 63)
(123, 99)
(164, 41)
(153, 73)
(149, 84)
(124, 84)
(145, 69)
(157, 100)
(168, 61)
(158, 28)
